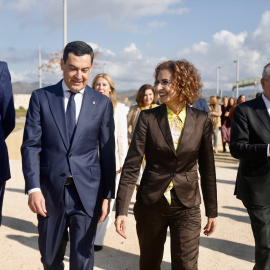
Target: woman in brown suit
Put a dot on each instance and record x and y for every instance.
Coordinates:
(175, 139)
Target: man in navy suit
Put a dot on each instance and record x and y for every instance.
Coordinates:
(69, 161)
(7, 124)
(201, 104)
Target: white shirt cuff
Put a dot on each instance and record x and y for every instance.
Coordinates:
(33, 190)
(268, 154)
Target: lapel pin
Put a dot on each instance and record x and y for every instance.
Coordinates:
(94, 102)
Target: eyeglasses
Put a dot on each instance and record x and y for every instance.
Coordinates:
(163, 83)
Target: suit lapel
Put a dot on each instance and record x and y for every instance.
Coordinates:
(56, 103)
(262, 112)
(163, 122)
(89, 104)
(188, 130)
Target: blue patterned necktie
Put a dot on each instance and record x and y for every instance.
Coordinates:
(71, 115)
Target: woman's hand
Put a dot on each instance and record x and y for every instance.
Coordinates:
(210, 226)
(121, 225)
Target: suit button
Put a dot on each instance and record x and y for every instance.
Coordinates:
(70, 155)
(63, 174)
(172, 174)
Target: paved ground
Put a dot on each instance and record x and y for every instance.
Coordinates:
(229, 248)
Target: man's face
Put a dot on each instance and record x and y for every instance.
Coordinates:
(76, 71)
(266, 87)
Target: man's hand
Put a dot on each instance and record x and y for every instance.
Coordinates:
(121, 225)
(105, 210)
(36, 203)
(210, 226)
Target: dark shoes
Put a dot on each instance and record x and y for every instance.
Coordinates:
(97, 248)
(224, 147)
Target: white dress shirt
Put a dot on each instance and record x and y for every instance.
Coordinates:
(78, 103)
(267, 104)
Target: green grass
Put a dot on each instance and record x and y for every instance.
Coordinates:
(21, 113)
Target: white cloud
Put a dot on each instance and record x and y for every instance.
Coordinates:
(109, 52)
(201, 47)
(226, 38)
(252, 48)
(114, 11)
(130, 67)
(178, 11)
(132, 50)
(26, 76)
(22, 5)
(157, 24)
(94, 46)
(265, 22)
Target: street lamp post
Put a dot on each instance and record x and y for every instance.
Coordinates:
(65, 22)
(237, 76)
(39, 68)
(218, 67)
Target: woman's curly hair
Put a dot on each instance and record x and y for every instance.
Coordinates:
(185, 78)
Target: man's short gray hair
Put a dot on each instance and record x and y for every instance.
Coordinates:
(266, 71)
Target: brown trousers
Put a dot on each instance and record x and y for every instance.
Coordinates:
(152, 223)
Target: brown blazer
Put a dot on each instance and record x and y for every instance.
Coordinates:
(152, 138)
(132, 118)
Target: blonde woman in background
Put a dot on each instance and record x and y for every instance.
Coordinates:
(105, 85)
(146, 99)
(215, 113)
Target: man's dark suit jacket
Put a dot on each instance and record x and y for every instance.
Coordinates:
(7, 119)
(164, 164)
(47, 153)
(250, 136)
(201, 104)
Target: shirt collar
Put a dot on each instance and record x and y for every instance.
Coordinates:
(266, 101)
(182, 115)
(65, 88)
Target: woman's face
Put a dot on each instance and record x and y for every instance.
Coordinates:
(231, 101)
(167, 94)
(148, 97)
(102, 86)
(242, 99)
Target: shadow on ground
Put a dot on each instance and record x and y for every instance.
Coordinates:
(244, 210)
(238, 218)
(112, 259)
(244, 219)
(32, 242)
(225, 158)
(15, 190)
(19, 224)
(228, 182)
(233, 249)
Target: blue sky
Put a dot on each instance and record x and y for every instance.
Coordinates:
(133, 36)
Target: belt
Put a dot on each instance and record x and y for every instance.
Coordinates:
(69, 180)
